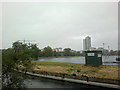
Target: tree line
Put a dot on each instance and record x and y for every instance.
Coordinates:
(110, 52)
(22, 54)
(49, 52)
(35, 52)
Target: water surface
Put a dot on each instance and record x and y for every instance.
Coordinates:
(107, 60)
(38, 82)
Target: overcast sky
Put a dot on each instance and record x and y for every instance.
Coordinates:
(61, 24)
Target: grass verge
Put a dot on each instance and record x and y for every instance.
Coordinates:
(103, 71)
(59, 57)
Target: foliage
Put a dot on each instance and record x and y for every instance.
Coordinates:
(47, 51)
(67, 51)
(19, 54)
(113, 52)
(10, 79)
(55, 64)
(35, 52)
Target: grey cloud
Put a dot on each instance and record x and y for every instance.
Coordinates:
(55, 24)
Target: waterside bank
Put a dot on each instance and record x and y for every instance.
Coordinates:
(107, 74)
(59, 57)
(72, 80)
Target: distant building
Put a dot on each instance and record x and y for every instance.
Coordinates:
(87, 43)
(104, 51)
(92, 48)
(58, 49)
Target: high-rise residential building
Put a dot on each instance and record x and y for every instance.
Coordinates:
(87, 43)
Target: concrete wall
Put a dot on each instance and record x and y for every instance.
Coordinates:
(82, 77)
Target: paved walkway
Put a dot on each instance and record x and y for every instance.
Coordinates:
(76, 81)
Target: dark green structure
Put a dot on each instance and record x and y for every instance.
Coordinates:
(93, 57)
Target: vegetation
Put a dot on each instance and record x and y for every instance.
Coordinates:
(58, 57)
(67, 52)
(35, 51)
(8, 72)
(111, 52)
(47, 52)
(103, 71)
(55, 64)
(19, 54)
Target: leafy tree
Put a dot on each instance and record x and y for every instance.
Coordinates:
(35, 52)
(47, 51)
(10, 79)
(19, 54)
(114, 52)
(82, 54)
(67, 51)
(40, 53)
(78, 53)
(55, 53)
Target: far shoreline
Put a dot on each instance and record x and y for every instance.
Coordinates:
(66, 57)
(59, 57)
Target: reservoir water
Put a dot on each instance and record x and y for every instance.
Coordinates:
(107, 60)
(38, 82)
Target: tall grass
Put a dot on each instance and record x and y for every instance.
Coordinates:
(43, 63)
(102, 71)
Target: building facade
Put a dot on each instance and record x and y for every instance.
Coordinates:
(87, 43)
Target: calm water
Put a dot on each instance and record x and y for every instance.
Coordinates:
(49, 83)
(107, 60)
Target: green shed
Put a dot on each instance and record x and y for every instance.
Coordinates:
(93, 57)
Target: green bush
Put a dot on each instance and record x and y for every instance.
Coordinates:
(78, 70)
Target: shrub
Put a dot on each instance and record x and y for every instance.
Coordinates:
(93, 71)
(78, 70)
(71, 69)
